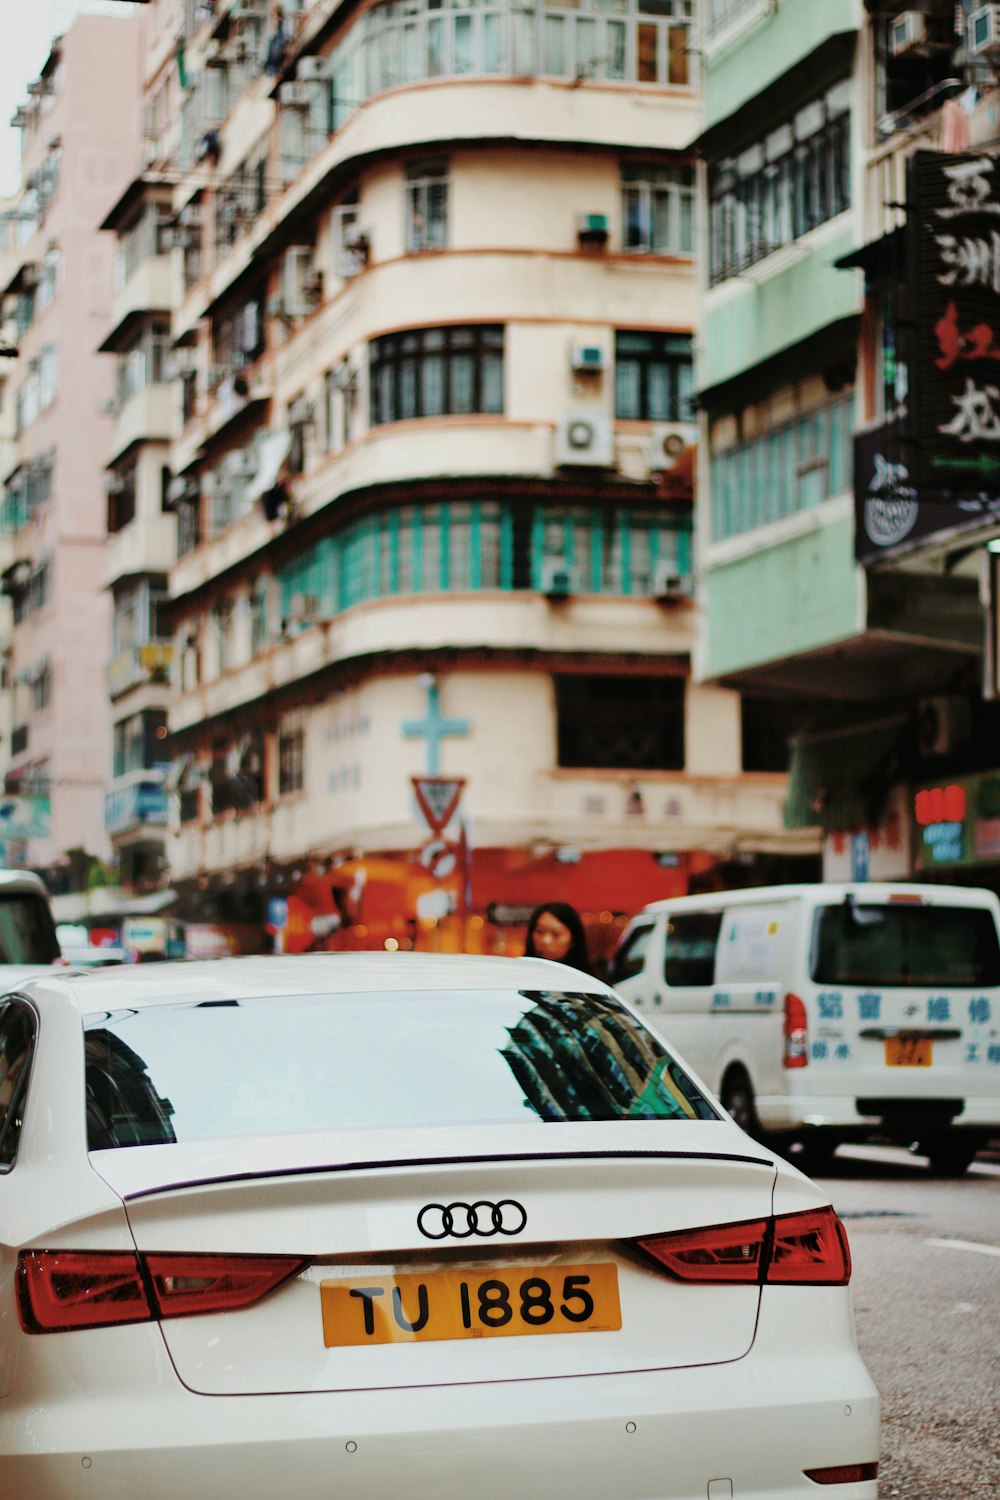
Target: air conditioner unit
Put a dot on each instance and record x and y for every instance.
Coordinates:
(309, 69)
(584, 440)
(296, 95)
(113, 484)
(312, 287)
(943, 723)
(558, 580)
(180, 489)
(242, 463)
(304, 609)
(358, 240)
(906, 31)
(984, 31)
(667, 441)
(667, 583)
(586, 359)
(592, 229)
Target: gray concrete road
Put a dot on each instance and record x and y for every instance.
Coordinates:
(926, 1289)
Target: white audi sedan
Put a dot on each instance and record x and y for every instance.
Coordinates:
(348, 1227)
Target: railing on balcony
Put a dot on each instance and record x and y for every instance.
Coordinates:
(150, 662)
(142, 804)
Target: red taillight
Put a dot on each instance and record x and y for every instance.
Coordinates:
(805, 1249)
(810, 1248)
(730, 1253)
(63, 1290)
(186, 1284)
(843, 1474)
(796, 1031)
(67, 1289)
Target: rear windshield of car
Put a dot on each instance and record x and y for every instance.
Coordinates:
(914, 946)
(291, 1063)
(27, 933)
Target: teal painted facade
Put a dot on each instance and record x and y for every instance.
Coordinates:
(772, 48)
(759, 320)
(783, 600)
(464, 546)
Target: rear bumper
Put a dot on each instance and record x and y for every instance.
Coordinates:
(781, 1112)
(660, 1435)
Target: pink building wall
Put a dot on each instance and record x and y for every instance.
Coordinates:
(97, 118)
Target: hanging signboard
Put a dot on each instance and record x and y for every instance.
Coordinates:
(954, 215)
(25, 817)
(891, 515)
(438, 798)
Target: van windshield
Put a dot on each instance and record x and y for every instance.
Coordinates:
(915, 946)
(27, 934)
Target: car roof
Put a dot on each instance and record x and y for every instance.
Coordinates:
(142, 985)
(827, 892)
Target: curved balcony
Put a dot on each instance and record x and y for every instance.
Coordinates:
(495, 621)
(152, 288)
(456, 110)
(147, 416)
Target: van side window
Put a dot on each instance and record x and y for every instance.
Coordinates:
(689, 950)
(630, 958)
(17, 1043)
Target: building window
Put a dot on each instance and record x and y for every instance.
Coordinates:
(657, 209)
(780, 187)
(427, 205)
(120, 485)
(138, 742)
(432, 372)
(783, 469)
(291, 757)
(41, 686)
(259, 625)
(469, 545)
(188, 525)
(143, 361)
(628, 41)
(654, 379)
(721, 14)
(620, 723)
(348, 255)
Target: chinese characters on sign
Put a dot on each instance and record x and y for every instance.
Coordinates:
(955, 222)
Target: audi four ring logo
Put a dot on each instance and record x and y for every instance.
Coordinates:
(462, 1220)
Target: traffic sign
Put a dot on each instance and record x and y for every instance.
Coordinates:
(438, 797)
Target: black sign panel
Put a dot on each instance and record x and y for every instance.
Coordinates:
(891, 518)
(954, 220)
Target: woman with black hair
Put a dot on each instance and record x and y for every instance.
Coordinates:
(556, 932)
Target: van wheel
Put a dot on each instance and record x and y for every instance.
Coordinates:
(816, 1152)
(949, 1158)
(737, 1101)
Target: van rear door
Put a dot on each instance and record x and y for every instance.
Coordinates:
(904, 1001)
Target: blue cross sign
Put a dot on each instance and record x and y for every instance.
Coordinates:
(433, 728)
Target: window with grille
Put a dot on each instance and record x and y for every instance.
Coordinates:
(432, 372)
(621, 722)
(654, 377)
(657, 209)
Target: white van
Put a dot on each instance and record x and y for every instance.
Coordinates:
(28, 939)
(828, 1013)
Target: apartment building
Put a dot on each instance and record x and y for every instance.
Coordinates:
(840, 564)
(79, 138)
(432, 473)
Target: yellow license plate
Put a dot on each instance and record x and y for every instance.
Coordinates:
(498, 1303)
(908, 1051)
